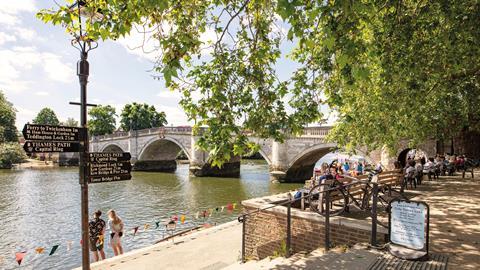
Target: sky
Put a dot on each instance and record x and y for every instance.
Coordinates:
(38, 68)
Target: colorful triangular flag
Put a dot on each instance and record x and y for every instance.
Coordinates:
(135, 230)
(217, 209)
(19, 256)
(54, 248)
(146, 226)
(39, 250)
(197, 214)
(223, 207)
(157, 224)
(182, 219)
(234, 205)
(210, 212)
(230, 207)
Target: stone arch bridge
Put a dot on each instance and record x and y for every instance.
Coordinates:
(156, 149)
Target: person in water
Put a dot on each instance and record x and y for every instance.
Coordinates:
(115, 225)
(96, 233)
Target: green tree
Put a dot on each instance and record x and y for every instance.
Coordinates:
(102, 120)
(137, 116)
(70, 122)
(11, 153)
(8, 131)
(390, 69)
(46, 116)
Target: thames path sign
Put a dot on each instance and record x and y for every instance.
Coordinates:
(50, 147)
(409, 229)
(52, 139)
(108, 167)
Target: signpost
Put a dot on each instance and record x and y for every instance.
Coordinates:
(50, 147)
(108, 167)
(51, 139)
(408, 229)
(51, 133)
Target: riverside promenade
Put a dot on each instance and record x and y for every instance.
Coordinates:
(454, 232)
(209, 249)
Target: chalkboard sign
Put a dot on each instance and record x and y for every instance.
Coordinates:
(409, 228)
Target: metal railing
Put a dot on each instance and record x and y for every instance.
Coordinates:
(373, 240)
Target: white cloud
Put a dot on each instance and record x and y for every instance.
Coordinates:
(56, 70)
(26, 34)
(169, 94)
(42, 93)
(4, 38)
(9, 10)
(15, 62)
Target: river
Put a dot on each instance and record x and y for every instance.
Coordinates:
(41, 208)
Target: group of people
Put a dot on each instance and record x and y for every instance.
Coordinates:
(97, 227)
(337, 170)
(415, 169)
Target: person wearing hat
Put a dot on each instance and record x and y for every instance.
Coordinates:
(96, 233)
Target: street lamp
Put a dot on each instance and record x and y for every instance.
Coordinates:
(84, 45)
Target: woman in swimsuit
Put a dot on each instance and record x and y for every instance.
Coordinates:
(115, 224)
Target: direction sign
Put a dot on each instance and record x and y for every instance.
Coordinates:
(108, 157)
(52, 133)
(49, 147)
(109, 168)
(110, 178)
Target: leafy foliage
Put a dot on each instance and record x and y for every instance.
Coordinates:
(102, 120)
(137, 116)
(11, 153)
(390, 69)
(8, 131)
(46, 116)
(70, 122)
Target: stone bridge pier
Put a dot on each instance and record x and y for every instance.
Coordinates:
(292, 160)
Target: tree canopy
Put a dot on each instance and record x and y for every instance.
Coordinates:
(70, 122)
(46, 116)
(390, 69)
(137, 116)
(8, 130)
(102, 120)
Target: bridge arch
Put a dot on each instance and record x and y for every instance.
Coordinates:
(112, 147)
(171, 146)
(415, 153)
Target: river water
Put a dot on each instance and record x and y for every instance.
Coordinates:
(41, 208)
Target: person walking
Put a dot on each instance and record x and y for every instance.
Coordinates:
(96, 233)
(115, 225)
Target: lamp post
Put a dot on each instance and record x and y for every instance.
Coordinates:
(84, 45)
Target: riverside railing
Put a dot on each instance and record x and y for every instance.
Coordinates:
(373, 239)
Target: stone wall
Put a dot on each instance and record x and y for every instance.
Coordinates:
(266, 230)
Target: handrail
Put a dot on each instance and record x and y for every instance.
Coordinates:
(282, 204)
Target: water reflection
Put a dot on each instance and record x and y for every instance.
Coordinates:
(41, 208)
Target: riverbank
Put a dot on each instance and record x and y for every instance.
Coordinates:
(36, 164)
(213, 248)
(454, 231)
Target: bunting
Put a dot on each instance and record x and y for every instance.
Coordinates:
(19, 256)
(181, 219)
(54, 248)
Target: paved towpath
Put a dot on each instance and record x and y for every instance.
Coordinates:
(209, 249)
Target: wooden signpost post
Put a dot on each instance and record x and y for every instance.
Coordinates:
(408, 229)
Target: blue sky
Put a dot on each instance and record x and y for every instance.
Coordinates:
(37, 68)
